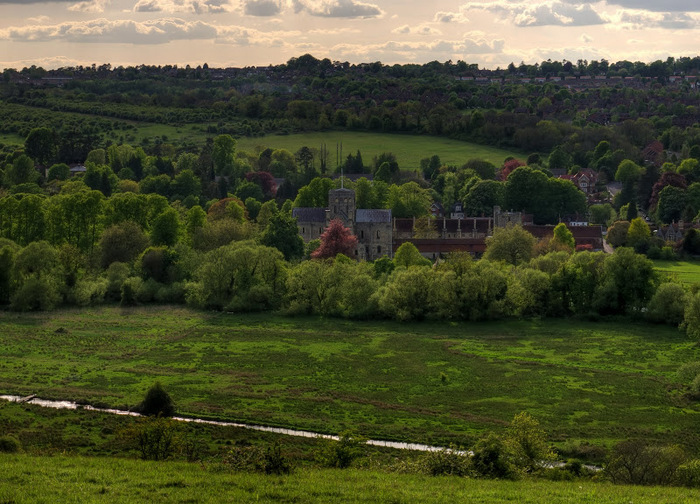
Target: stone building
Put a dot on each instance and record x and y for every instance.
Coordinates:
(372, 227)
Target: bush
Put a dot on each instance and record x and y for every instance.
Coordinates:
(342, 452)
(245, 458)
(688, 474)
(636, 463)
(448, 461)
(9, 444)
(129, 290)
(688, 371)
(667, 305)
(274, 462)
(156, 403)
(491, 459)
(153, 438)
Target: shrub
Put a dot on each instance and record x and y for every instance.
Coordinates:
(636, 463)
(492, 460)
(9, 444)
(255, 459)
(448, 461)
(154, 438)
(157, 402)
(688, 371)
(342, 452)
(688, 474)
(667, 305)
(129, 289)
(274, 462)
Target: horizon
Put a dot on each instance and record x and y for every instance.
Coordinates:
(239, 33)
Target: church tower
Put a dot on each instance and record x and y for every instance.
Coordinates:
(341, 205)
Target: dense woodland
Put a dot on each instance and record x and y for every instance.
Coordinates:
(211, 224)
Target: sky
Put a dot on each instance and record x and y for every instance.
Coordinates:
(237, 33)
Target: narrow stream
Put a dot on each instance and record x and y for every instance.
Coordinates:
(277, 430)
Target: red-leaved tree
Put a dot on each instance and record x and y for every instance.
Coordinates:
(336, 239)
(509, 167)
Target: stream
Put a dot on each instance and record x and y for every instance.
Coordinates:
(277, 430)
(47, 403)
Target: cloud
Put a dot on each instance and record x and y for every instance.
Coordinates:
(90, 6)
(242, 36)
(542, 12)
(189, 6)
(158, 31)
(452, 17)
(422, 29)
(586, 39)
(262, 7)
(639, 20)
(337, 8)
(649, 5)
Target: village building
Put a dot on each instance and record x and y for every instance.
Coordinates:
(372, 227)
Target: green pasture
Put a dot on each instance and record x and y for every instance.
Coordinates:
(408, 149)
(28, 479)
(586, 382)
(687, 272)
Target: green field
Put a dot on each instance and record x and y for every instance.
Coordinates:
(431, 382)
(408, 149)
(687, 272)
(27, 479)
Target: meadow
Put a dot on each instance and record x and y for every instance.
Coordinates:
(29, 479)
(408, 149)
(586, 382)
(687, 272)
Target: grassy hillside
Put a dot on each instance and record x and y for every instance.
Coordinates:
(26, 479)
(687, 272)
(435, 383)
(408, 149)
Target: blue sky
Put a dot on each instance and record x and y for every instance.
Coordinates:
(55, 33)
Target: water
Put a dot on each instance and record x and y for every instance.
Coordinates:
(277, 430)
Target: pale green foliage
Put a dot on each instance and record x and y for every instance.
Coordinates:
(528, 292)
(242, 276)
(638, 232)
(512, 244)
(667, 305)
(527, 442)
(563, 236)
(405, 296)
(341, 453)
(408, 255)
(691, 317)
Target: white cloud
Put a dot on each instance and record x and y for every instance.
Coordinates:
(187, 6)
(640, 20)
(586, 39)
(452, 17)
(90, 6)
(262, 7)
(158, 31)
(540, 13)
(337, 8)
(422, 29)
(650, 5)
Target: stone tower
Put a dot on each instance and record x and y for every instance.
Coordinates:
(341, 205)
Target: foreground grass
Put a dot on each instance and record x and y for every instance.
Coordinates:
(687, 272)
(408, 149)
(25, 479)
(431, 382)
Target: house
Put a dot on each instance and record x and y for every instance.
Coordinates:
(671, 233)
(585, 180)
(372, 227)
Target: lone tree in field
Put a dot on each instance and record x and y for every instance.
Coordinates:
(157, 402)
(336, 239)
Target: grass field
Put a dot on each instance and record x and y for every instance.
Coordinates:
(687, 272)
(26, 479)
(435, 383)
(408, 149)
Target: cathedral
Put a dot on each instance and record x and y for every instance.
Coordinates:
(372, 227)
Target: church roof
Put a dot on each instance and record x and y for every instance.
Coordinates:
(309, 214)
(373, 215)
